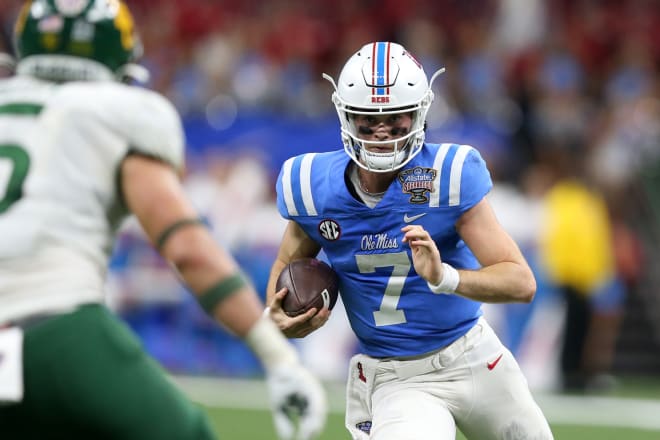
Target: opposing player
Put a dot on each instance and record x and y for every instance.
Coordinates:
(79, 151)
(407, 227)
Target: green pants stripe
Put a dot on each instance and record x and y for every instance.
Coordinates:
(86, 376)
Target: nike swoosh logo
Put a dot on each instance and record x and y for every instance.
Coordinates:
(412, 218)
(493, 364)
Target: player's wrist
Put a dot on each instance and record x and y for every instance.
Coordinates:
(269, 344)
(449, 281)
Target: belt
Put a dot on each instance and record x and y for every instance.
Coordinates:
(439, 359)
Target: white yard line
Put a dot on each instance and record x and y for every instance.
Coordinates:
(601, 411)
(562, 410)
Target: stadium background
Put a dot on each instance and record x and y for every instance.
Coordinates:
(543, 88)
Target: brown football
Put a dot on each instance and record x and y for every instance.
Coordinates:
(311, 283)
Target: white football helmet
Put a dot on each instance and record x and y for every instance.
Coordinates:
(382, 78)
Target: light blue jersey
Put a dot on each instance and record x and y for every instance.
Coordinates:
(390, 307)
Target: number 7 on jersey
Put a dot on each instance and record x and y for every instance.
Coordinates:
(388, 314)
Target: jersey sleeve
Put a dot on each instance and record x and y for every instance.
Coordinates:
(296, 196)
(475, 180)
(154, 128)
(121, 118)
(279, 188)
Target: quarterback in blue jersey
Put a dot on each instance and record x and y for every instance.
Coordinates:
(417, 248)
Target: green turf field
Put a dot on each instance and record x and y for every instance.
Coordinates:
(237, 424)
(238, 411)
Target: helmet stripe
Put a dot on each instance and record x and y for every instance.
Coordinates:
(380, 66)
(373, 63)
(387, 61)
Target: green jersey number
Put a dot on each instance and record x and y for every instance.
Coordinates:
(14, 165)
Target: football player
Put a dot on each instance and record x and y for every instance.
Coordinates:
(407, 227)
(79, 151)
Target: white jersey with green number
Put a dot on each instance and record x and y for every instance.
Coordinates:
(61, 147)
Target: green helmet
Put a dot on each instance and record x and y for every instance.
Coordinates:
(70, 40)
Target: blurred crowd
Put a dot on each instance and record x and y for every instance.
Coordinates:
(562, 97)
(547, 77)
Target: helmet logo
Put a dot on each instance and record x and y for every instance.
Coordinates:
(51, 24)
(71, 8)
(417, 182)
(380, 99)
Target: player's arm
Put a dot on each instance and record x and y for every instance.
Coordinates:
(505, 275)
(152, 191)
(295, 244)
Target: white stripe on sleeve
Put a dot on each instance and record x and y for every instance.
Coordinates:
(437, 164)
(286, 187)
(306, 183)
(456, 173)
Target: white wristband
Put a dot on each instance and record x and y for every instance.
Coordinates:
(449, 281)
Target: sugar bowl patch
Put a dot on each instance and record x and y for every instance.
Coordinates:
(418, 182)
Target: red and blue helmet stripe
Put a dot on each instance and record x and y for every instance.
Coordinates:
(380, 68)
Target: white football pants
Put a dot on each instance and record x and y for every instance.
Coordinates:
(474, 383)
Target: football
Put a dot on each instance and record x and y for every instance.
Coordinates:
(311, 283)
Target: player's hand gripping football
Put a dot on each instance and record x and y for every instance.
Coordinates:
(425, 254)
(298, 402)
(298, 326)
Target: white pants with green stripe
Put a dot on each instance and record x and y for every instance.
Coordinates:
(474, 384)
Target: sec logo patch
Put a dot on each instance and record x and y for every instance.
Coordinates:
(329, 229)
